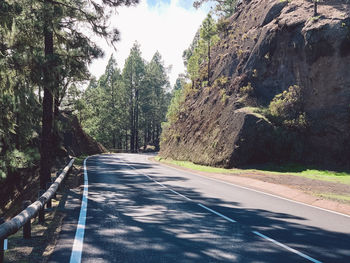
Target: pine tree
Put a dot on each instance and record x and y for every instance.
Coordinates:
(208, 32)
(61, 22)
(133, 75)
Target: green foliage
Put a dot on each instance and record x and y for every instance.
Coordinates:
(199, 52)
(296, 170)
(288, 108)
(223, 96)
(223, 25)
(247, 90)
(26, 65)
(208, 29)
(176, 106)
(124, 110)
(224, 8)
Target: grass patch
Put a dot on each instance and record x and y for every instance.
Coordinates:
(337, 197)
(297, 170)
(198, 167)
(80, 160)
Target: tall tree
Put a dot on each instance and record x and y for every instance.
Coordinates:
(126, 110)
(61, 22)
(157, 80)
(199, 51)
(208, 32)
(134, 75)
(223, 8)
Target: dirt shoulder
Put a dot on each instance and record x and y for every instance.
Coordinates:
(317, 193)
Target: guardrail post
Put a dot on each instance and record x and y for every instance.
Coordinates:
(2, 251)
(55, 194)
(57, 175)
(49, 203)
(42, 210)
(27, 229)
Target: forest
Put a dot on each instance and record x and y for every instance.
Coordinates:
(124, 109)
(45, 50)
(44, 70)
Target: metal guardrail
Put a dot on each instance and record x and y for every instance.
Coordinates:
(23, 219)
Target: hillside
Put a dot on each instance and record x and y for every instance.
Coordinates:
(71, 140)
(280, 90)
(75, 140)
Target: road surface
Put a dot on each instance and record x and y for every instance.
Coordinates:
(141, 211)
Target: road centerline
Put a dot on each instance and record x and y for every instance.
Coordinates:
(217, 213)
(231, 220)
(286, 247)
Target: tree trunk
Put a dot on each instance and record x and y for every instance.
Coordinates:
(137, 120)
(157, 137)
(126, 139)
(47, 113)
(315, 7)
(114, 140)
(209, 63)
(132, 131)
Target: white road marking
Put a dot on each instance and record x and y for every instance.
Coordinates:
(149, 177)
(234, 221)
(79, 234)
(257, 191)
(217, 213)
(286, 247)
(189, 199)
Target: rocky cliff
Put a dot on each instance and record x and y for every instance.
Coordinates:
(74, 140)
(268, 46)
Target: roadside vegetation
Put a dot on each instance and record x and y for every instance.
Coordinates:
(291, 169)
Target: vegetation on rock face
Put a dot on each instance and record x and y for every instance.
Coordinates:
(224, 8)
(265, 47)
(288, 108)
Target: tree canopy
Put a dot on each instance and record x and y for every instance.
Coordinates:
(124, 109)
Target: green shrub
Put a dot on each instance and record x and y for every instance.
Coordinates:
(220, 82)
(247, 90)
(287, 107)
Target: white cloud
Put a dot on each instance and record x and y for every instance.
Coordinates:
(168, 28)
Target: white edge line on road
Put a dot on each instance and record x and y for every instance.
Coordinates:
(286, 247)
(217, 213)
(79, 234)
(5, 244)
(257, 191)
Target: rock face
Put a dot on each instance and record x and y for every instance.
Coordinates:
(75, 141)
(268, 46)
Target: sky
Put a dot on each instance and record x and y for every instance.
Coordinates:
(167, 26)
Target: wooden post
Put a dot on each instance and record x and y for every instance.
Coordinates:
(49, 203)
(57, 175)
(2, 251)
(55, 194)
(41, 211)
(27, 229)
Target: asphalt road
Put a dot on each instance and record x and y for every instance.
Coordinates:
(140, 211)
